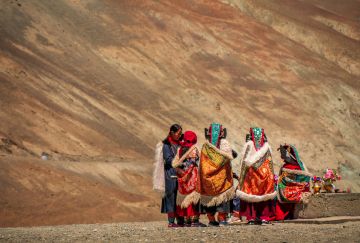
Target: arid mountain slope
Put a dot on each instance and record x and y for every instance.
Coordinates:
(330, 30)
(103, 80)
(35, 192)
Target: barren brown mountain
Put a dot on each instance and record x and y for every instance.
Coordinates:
(96, 84)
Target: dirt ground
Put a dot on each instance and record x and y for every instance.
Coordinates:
(158, 232)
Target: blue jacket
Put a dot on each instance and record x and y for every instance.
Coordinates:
(169, 153)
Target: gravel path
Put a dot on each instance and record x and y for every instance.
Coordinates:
(158, 232)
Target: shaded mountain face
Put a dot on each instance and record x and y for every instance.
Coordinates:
(106, 79)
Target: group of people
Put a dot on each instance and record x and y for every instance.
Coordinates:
(217, 182)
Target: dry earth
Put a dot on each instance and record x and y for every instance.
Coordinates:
(96, 84)
(157, 232)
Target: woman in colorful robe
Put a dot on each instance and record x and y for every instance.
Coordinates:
(256, 188)
(215, 184)
(169, 150)
(186, 164)
(293, 184)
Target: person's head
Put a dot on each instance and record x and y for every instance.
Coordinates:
(175, 132)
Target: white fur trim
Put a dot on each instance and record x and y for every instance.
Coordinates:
(225, 146)
(235, 164)
(253, 156)
(179, 198)
(229, 156)
(243, 151)
(255, 198)
(210, 201)
(158, 173)
(192, 198)
(248, 147)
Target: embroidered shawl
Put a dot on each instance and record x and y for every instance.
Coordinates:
(293, 184)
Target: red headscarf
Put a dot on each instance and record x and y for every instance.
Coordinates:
(189, 140)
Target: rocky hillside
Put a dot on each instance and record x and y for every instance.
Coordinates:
(102, 81)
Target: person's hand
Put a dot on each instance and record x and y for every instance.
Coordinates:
(179, 172)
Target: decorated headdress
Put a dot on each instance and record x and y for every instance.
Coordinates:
(290, 155)
(258, 137)
(214, 133)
